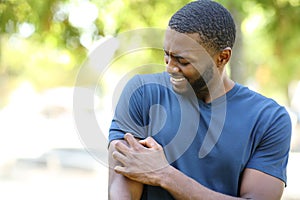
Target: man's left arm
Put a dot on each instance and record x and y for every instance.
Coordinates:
(145, 162)
(254, 185)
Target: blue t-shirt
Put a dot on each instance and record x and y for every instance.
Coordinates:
(210, 142)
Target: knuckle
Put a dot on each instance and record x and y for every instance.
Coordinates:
(117, 144)
(114, 154)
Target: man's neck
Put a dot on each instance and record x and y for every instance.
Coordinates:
(217, 90)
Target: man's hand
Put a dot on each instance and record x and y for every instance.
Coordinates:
(143, 161)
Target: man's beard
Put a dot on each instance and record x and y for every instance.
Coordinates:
(200, 85)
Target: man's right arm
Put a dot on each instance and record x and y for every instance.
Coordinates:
(119, 186)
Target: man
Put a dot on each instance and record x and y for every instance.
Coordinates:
(192, 132)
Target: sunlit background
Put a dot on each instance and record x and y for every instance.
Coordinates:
(43, 44)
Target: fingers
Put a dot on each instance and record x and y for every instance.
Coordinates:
(132, 141)
(119, 157)
(120, 169)
(121, 147)
(149, 142)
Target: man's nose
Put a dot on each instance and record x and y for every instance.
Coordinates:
(172, 69)
(172, 66)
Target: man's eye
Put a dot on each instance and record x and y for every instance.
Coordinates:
(183, 62)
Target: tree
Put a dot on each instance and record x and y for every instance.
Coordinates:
(40, 35)
(268, 54)
(279, 32)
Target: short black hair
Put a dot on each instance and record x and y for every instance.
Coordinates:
(210, 19)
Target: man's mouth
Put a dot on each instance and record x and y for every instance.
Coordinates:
(178, 79)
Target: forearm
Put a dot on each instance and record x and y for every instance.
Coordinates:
(181, 186)
(122, 188)
(119, 186)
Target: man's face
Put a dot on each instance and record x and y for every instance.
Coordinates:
(188, 63)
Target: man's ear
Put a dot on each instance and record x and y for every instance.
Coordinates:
(224, 57)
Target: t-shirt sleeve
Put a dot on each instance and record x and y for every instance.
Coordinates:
(271, 153)
(128, 116)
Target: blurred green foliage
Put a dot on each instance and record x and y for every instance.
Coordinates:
(45, 41)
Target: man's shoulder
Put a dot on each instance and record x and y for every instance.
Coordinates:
(257, 101)
(245, 92)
